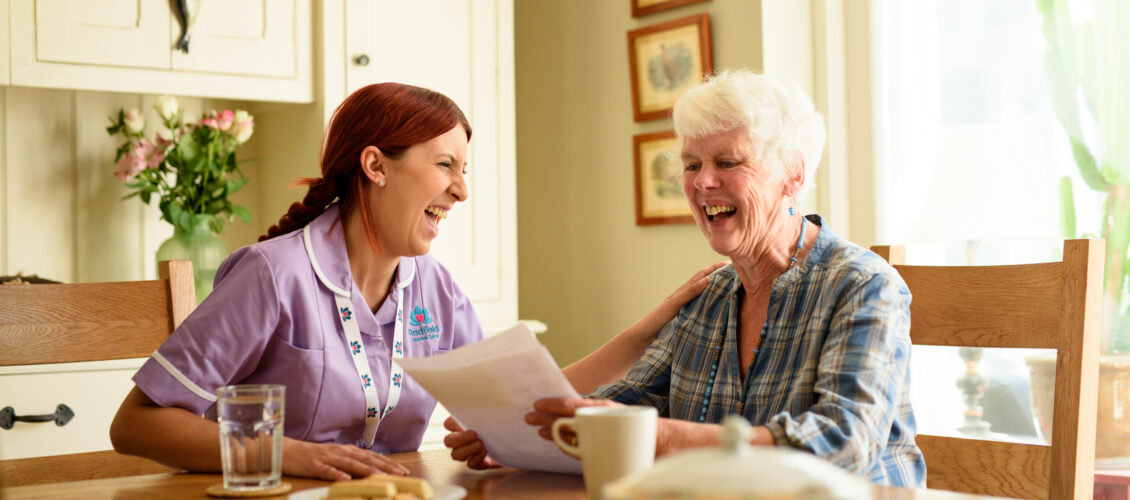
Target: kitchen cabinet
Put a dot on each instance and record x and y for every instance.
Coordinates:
(240, 49)
(467, 54)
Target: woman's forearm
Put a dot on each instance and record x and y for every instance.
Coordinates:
(613, 359)
(171, 436)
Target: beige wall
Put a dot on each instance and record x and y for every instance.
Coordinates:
(584, 267)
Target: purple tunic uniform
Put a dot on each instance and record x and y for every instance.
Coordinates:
(272, 319)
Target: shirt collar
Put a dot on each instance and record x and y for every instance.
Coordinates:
(324, 238)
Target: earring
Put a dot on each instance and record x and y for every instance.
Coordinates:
(792, 211)
(381, 183)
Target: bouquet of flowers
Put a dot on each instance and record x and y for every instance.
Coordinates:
(191, 167)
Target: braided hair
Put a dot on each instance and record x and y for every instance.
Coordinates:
(390, 116)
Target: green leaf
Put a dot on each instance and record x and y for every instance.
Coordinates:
(145, 196)
(235, 185)
(1087, 168)
(1067, 207)
(242, 213)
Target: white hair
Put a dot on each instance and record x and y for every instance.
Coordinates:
(781, 119)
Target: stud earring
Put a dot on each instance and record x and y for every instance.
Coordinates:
(381, 183)
(792, 211)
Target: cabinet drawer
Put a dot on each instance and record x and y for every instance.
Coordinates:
(92, 390)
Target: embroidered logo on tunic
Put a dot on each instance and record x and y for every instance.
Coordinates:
(366, 380)
(371, 412)
(389, 410)
(420, 316)
(396, 379)
(399, 347)
(346, 314)
(355, 346)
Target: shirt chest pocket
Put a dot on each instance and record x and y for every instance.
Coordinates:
(301, 371)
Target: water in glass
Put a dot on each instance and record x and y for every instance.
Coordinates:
(251, 433)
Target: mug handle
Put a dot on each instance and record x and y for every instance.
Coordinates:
(555, 431)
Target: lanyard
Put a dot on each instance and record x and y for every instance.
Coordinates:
(344, 313)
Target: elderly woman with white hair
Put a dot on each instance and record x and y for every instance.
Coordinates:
(805, 334)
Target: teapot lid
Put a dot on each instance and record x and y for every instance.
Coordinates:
(738, 470)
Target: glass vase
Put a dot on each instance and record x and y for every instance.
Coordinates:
(203, 248)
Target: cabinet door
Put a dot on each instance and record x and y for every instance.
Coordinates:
(133, 33)
(242, 37)
(464, 49)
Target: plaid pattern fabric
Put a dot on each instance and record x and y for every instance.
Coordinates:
(831, 376)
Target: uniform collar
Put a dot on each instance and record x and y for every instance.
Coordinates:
(324, 239)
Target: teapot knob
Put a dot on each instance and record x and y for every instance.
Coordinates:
(735, 434)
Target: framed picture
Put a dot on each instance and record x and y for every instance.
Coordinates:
(658, 181)
(666, 59)
(645, 7)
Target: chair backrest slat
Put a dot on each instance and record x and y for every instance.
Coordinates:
(986, 306)
(972, 465)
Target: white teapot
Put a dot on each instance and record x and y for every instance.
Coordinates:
(736, 470)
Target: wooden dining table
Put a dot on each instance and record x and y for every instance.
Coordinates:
(436, 466)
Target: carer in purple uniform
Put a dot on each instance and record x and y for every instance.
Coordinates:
(323, 304)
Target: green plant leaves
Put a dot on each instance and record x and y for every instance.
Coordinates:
(1067, 207)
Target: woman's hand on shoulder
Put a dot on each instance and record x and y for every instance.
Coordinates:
(334, 462)
(466, 446)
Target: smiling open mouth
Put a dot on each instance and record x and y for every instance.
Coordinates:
(437, 214)
(719, 212)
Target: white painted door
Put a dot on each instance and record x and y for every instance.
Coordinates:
(245, 37)
(464, 49)
(128, 33)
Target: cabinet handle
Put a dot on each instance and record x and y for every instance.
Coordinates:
(62, 415)
(361, 60)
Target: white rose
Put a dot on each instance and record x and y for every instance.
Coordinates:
(242, 127)
(167, 107)
(134, 121)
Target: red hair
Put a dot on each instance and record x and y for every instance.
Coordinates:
(391, 116)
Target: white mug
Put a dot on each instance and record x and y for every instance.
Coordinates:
(612, 442)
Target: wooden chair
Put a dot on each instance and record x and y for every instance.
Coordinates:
(1053, 305)
(44, 324)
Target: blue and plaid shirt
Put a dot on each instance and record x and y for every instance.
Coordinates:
(831, 375)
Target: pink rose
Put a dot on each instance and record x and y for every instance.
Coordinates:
(224, 119)
(148, 153)
(129, 165)
(210, 122)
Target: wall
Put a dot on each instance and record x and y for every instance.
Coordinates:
(61, 213)
(585, 268)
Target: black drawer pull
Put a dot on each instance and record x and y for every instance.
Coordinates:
(62, 415)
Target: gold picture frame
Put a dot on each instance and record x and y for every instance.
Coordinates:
(665, 60)
(645, 7)
(658, 181)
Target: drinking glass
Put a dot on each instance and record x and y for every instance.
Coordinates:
(251, 433)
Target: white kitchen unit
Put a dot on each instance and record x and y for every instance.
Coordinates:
(39, 389)
(464, 49)
(240, 49)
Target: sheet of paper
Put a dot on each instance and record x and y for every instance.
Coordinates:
(490, 385)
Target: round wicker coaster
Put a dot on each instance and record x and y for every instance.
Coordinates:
(217, 490)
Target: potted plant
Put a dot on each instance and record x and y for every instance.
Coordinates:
(1088, 73)
(192, 170)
